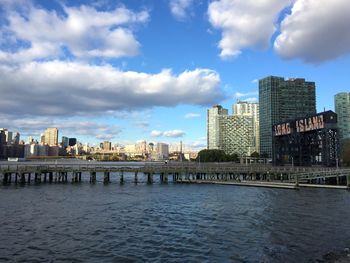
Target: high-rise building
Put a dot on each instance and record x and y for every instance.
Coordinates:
(282, 99)
(107, 146)
(72, 141)
(42, 138)
(234, 134)
(141, 147)
(151, 147)
(16, 138)
(163, 150)
(213, 130)
(342, 109)
(30, 139)
(2, 137)
(51, 136)
(8, 135)
(65, 141)
(249, 109)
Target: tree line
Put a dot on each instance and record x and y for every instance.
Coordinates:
(219, 156)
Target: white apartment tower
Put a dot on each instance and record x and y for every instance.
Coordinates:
(213, 131)
(51, 136)
(249, 109)
(342, 108)
(234, 134)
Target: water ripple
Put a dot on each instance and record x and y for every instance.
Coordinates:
(170, 223)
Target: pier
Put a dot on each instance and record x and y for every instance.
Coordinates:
(257, 175)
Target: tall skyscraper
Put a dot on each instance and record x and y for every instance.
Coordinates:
(51, 136)
(249, 109)
(342, 109)
(282, 99)
(213, 125)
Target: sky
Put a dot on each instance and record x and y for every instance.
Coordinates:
(130, 70)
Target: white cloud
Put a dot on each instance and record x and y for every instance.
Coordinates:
(255, 81)
(179, 8)
(315, 31)
(244, 23)
(174, 133)
(245, 94)
(171, 133)
(197, 145)
(156, 133)
(141, 124)
(251, 99)
(67, 127)
(69, 88)
(192, 115)
(83, 30)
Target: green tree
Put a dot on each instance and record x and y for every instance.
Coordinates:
(255, 155)
(232, 157)
(211, 156)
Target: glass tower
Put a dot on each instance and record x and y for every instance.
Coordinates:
(342, 108)
(282, 99)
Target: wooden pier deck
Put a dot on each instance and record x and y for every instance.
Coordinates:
(256, 175)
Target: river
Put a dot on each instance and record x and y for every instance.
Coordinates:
(170, 223)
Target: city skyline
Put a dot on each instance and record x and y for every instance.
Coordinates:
(125, 71)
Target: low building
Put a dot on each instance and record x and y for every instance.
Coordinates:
(312, 140)
(31, 150)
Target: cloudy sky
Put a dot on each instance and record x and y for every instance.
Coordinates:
(128, 70)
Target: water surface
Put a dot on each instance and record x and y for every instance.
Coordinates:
(170, 223)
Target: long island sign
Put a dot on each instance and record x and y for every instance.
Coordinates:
(310, 123)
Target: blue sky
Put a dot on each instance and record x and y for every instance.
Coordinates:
(149, 69)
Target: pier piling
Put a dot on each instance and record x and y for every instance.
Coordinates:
(121, 177)
(106, 177)
(149, 178)
(135, 178)
(22, 178)
(93, 177)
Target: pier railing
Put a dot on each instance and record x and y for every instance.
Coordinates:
(180, 171)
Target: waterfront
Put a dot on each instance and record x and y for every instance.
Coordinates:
(172, 223)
